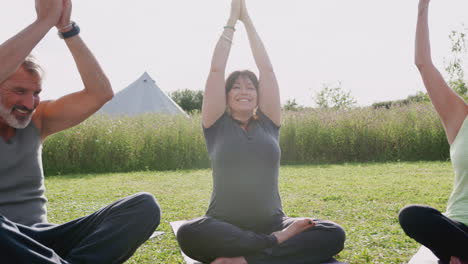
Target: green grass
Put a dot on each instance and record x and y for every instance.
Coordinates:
(363, 198)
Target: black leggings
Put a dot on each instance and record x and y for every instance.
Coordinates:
(443, 236)
(207, 238)
(110, 235)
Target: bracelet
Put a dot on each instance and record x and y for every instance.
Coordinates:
(226, 38)
(230, 27)
(69, 26)
(75, 30)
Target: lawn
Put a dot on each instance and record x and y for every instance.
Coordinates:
(363, 198)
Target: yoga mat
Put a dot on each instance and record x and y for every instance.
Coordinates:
(424, 256)
(175, 226)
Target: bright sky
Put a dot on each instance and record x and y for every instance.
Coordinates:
(365, 44)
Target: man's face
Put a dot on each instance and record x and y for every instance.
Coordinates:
(19, 97)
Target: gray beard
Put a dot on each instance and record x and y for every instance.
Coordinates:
(11, 120)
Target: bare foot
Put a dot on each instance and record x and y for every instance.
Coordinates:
(237, 260)
(295, 228)
(455, 260)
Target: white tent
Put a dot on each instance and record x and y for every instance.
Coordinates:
(140, 97)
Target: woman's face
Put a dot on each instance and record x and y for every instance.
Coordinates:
(242, 98)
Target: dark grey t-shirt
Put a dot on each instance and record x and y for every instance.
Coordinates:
(245, 172)
(22, 197)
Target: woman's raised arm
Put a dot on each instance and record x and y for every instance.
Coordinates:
(214, 99)
(451, 108)
(268, 91)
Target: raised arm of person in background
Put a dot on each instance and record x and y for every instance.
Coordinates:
(268, 94)
(70, 110)
(451, 108)
(214, 99)
(14, 51)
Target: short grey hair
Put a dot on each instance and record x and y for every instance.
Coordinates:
(30, 65)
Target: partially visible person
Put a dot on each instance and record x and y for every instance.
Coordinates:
(241, 119)
(110, 235)
(446, 235)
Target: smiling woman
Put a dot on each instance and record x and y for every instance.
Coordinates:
(242, 96)
(245, 222)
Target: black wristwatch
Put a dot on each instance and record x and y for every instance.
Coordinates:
(75, 30)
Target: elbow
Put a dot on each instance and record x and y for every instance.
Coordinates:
(266, 68)
(422, 61)
(104, 93)
(108, 95)
(421, 65)
(216, 69)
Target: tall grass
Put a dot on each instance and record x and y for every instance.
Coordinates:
(157, 142)
(407, 133)
(147, 142)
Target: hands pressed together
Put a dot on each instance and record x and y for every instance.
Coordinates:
(239, 11)
(55, 12)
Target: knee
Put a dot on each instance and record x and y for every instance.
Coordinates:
(149, 207)
(188, 237)
(337, 238)
(185, 236)
(412, 216)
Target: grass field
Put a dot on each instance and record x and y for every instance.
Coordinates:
(363, 198)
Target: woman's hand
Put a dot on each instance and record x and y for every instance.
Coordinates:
(244, 14)
(235, 10)
(424, 3)
(455, 260)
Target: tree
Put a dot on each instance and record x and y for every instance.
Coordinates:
(189, 100)
(334, 97)
(454, 65)
(419, 97)
(292, 105)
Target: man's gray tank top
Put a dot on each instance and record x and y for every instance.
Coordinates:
(22, 197)
(245, 172)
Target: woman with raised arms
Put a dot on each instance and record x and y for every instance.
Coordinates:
(446, 235)
(245, 222)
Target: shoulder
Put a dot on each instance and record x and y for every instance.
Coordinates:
(39, 114)
(266, 121)
(221, 120)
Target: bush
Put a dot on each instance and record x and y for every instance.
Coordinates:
(158, 142)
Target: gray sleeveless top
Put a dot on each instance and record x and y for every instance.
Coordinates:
(22, 197)
(245, 172)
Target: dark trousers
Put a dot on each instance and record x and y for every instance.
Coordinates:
(110, 235)
(207, 238)
(443, 236)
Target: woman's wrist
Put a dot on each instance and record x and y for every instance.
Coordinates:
(231, 22)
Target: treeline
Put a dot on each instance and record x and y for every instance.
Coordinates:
(156, 142)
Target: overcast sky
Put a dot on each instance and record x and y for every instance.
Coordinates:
(367, 45)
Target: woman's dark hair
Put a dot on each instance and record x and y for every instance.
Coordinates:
(231, 79)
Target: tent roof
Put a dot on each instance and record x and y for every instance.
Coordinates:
(142, 96)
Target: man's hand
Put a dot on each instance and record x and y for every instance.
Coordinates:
(49, 10)
(65, 15)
